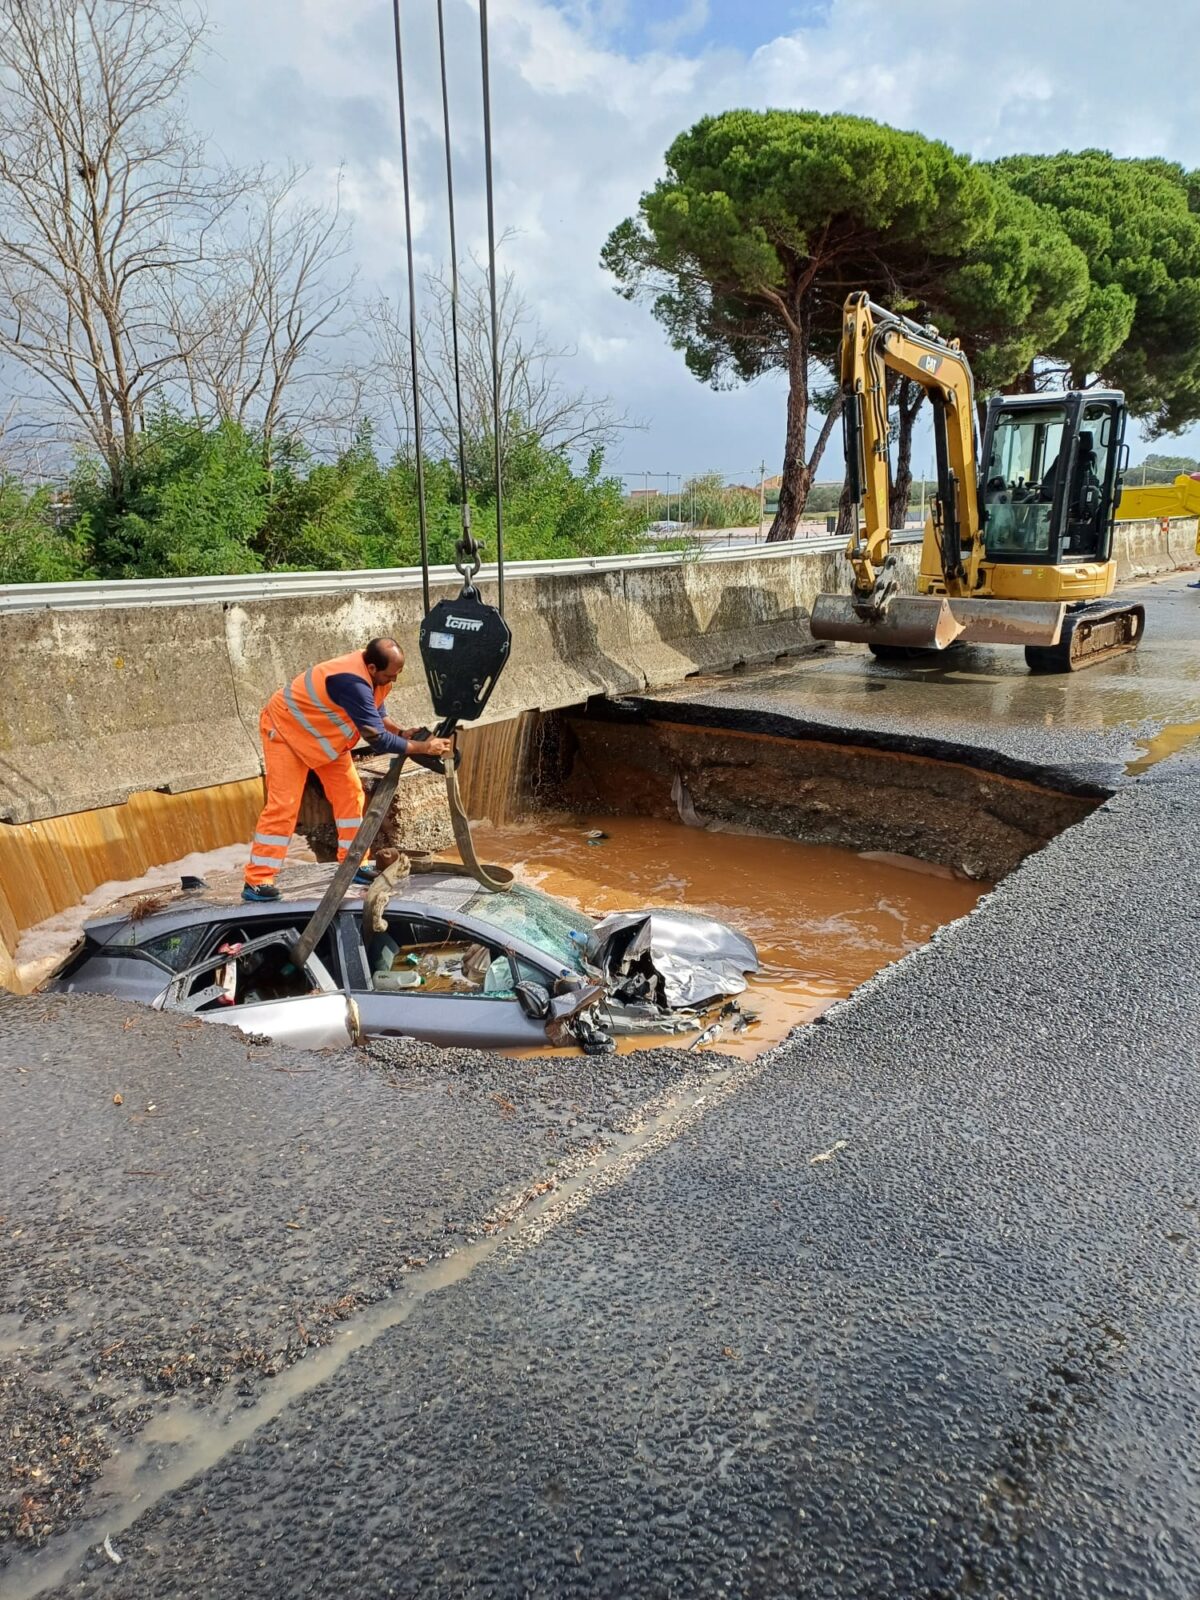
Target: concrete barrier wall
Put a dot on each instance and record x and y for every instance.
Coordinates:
(102, 704)
(1143, 549)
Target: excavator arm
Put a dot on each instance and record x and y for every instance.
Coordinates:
(1159, 500)
(875, 343)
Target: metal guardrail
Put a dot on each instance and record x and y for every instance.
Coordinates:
(296, 585)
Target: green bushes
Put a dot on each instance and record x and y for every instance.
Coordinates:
(33, 547)
(206, 500)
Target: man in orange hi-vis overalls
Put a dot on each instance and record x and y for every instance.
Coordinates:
(312, 726)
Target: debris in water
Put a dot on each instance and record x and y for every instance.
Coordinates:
(827, 1155)
(112, 1555)
(148, 905)
(706, 1036)
(682, 797)
(595, 835)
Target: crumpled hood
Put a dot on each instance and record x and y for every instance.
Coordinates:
(695, 958)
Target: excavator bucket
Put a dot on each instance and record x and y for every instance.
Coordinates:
(911, 622)
(932, 622)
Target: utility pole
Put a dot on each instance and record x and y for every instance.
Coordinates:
(762, 498)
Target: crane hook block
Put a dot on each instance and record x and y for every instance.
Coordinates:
(464, 646)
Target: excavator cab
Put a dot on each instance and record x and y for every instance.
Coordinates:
(1051, 477)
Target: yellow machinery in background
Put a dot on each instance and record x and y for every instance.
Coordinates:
(1020, 553)
(1160, 501)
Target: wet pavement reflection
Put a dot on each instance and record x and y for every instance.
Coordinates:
(986, 698)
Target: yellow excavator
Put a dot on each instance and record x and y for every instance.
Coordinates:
(1018, 553)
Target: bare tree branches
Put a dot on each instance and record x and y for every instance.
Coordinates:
(274, 296)
(131, 269)
(134, 272)
(106, 202)
(534, 401)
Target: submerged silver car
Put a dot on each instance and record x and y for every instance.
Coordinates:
(456, 964)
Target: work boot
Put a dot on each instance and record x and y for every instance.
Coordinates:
(260, 891)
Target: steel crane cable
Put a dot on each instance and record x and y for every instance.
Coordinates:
(469, 561)
(413, 342)
(491, 231)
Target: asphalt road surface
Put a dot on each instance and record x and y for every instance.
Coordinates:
(906, 1309)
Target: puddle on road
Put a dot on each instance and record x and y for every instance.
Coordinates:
(1168, 741)
(823, 918)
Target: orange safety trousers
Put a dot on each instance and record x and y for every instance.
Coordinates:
(286, 775)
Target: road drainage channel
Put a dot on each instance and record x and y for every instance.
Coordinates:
(182, 1442)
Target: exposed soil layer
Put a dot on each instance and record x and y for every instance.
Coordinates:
(978, 822)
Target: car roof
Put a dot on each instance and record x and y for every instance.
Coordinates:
(445, 888)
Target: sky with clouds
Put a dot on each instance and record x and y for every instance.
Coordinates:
(587, 94)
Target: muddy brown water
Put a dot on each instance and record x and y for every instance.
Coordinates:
(1171, 738)
(823, 918)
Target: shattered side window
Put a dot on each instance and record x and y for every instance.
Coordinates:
(535, 917)
(179, 948)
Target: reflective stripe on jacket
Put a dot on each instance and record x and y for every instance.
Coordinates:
(318, 730)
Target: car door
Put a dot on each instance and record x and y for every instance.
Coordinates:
(255, 987)
(430, 978)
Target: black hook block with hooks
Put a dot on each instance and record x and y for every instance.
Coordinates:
(464, 647)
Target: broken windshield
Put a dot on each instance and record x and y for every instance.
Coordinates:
(536, 918)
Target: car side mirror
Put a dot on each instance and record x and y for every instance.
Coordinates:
(533, 1000)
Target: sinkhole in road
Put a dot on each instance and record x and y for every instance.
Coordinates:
(835, 859)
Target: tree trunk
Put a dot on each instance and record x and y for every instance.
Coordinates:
(908, 403)
(832, 417)
(796, 479)
(845, 513)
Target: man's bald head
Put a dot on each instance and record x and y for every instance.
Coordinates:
(384, 660)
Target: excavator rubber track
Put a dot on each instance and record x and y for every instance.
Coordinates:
(1093, 632)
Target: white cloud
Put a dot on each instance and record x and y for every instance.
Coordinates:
(580, 129)
(690, 20)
